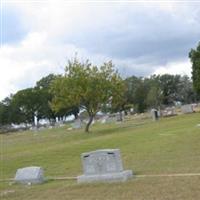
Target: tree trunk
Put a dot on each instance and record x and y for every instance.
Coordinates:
(120, 116)
(89, 123)
(125, 112)
(76, 115)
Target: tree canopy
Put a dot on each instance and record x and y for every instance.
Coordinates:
(86, 86)
(194, 56)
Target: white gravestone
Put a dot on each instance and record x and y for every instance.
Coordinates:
(35, 120)
(110, 120)
(103, 165)
(119, 117)
(188, 108)
(154, 114)
(170, 111)
(104, 119)
(29, 175)
(77, 124)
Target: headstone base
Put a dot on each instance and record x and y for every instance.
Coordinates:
(112, 177)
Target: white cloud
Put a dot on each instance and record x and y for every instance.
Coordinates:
(182, 67)
(25, 63)
(58, 29)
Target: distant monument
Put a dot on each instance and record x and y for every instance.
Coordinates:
(107, 119)
(29, 175)
(154, 114)
(169, 111)
(119, 117)
(188, 108)
(77, 124)
(103, 165)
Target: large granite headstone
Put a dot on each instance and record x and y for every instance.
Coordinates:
(188, 108)
(103, 165)
(29, 175)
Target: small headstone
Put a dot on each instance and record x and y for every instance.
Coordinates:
(110, 119)
(119, 117)
(34, 128)
(154, 114)
(29, 175)
(41, 128)
(188, 108)
(169, 111)
(35, 120)
(77, 124)
(103, 165)
(132, 111)
(103, 119)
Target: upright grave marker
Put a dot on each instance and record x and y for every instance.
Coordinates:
(77, 124)
(154, 114)
(29, 175)
(103, 165)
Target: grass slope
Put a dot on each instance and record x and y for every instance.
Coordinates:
(171, 145)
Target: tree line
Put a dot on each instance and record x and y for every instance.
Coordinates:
(99, 88)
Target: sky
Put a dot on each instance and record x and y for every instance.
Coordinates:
(140, 37)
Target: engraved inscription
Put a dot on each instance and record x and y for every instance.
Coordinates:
(101, 163)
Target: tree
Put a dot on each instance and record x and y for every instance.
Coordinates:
(28, 102)
(154, 96)
(43, 90)
(186, 93)
(136, 93)
(118, 100)
(5, 111)
(194, 56)
(45, 82)
(85, 86)
(169, 85)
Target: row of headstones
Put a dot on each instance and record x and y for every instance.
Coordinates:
(188, 108)
(185, 109)
(101, 165)
(119, 116)
(78, 123)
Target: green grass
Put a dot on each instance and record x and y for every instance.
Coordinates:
(171, 145)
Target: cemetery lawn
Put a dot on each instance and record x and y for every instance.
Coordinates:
(169, 146)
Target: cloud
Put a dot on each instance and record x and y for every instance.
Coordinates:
(140, 38)
(31, 59)
(182, 68)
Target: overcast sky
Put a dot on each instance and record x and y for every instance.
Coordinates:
(140, 37)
